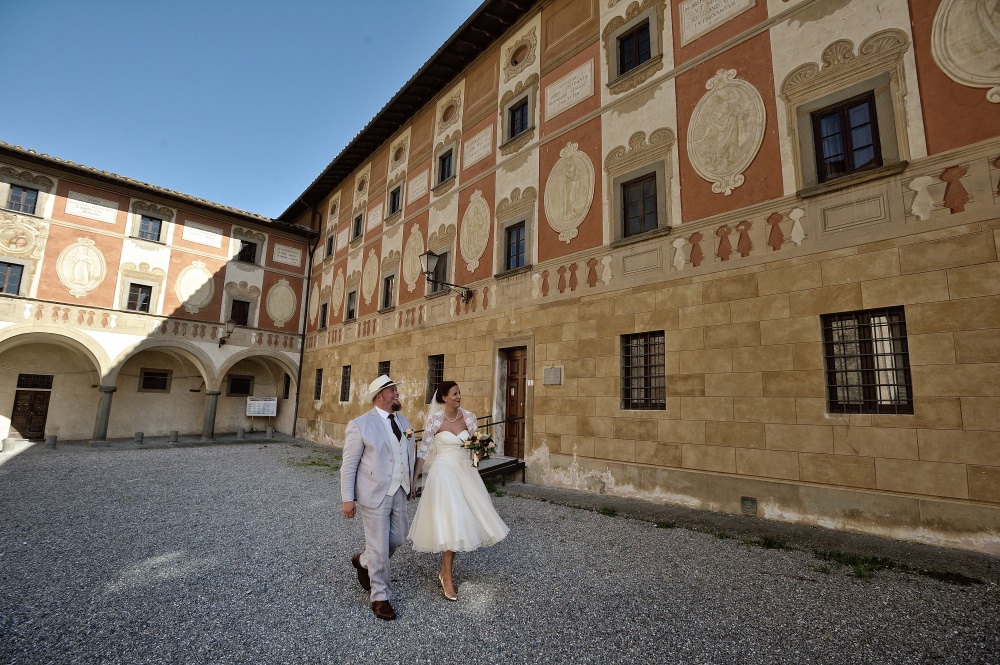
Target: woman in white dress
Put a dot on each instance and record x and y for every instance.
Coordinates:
(455, 513)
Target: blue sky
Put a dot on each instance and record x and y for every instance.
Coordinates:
(242, 102)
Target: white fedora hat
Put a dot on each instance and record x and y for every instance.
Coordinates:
(378, 385)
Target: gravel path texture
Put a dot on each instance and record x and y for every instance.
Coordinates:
(239, 554)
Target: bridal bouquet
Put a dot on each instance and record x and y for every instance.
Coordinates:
(482, 446)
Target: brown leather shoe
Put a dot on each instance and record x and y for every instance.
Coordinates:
(363, 578)
(383, 610)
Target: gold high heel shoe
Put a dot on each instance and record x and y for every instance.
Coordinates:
(446, 594)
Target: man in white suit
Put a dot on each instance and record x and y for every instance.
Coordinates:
(375, 474)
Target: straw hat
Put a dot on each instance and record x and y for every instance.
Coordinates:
(378, 385)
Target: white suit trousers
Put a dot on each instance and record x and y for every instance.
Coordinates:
(385, 530)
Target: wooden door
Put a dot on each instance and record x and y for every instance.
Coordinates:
(517, 375)
(31, 408)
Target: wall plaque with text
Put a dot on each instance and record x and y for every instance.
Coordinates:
(91, 207)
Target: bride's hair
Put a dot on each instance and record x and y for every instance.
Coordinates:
(443, 391)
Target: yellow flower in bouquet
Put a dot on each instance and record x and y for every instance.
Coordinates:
(481, 445)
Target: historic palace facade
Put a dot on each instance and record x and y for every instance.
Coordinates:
(733, 254)
(115, 298)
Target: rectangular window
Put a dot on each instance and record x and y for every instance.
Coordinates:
(867, 362)
(345, 383)
(388, 291)
(239, 311)
(286, 389)
(643, 372)
(846, 138)
(634, 48)
(154, 380)
(518, 118)
(323, 309)
(22, 199)
(318, 386)
(248, 252)
(435, 375)
(395, 200)
(383, 367)
(514, 257)
(34, 381)
(357, 227)
(149, 228)
(240, 386)
(351, 310)
(639, 205)
(440, 273)
(445, 166)
(329, 245)
(10, 277)
(139, 296)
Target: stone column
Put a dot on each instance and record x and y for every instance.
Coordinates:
(208, 428)
(104, 413)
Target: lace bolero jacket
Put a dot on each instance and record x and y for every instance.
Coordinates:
(432, 426)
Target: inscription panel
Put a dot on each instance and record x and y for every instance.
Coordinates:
(417, 187)
(570, 90)
(91, 207)
(701, 16)
(290, 256)
(478, 147)
(202, 234)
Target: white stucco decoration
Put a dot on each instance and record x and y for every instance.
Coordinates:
(923, 203)
(337, 297)
(314, 304)
(81, 267)
(965, 43)
(475, 234)
(411, 259)
(569, 192)
(798, 233)
(679, 258)
(194, 287)
(536, 285)
(369, 277)
(280, 302)
(606, 270)
(726, 131)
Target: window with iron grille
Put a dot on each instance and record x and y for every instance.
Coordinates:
(435, 375)
(154, 380)
(149, 228)
(248, 252)
(643, 372)
(518, 118)
(383, 367)
(867, 362)
(318, 386)
(239, 311)
(639, 213)
(34, 381)
(10, 277)
(240, 385)
(634, 48)
(139, 296)
(846, 138)
(514, 257)
(22, 199)
(345, 383)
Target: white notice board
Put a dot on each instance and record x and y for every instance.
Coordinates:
(262, 406)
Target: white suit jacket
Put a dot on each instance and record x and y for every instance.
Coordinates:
(366, 470)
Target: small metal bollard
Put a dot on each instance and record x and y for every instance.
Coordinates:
(138, 437)
(173, 436)
(50, 441)
(270, 432)
(240, 433)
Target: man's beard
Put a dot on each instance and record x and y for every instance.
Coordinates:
(396, 406)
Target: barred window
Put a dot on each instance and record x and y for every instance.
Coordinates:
(435, 375)
(383, 368)
(867, 362)
(345, 383)
(240, 386)
(643, 372)
(155, 380)
(36, 381)
(318, 386)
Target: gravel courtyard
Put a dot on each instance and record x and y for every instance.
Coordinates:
(239, 554)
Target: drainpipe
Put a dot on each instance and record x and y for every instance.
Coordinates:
(305, 316)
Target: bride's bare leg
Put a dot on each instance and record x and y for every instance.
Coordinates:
(446, 561)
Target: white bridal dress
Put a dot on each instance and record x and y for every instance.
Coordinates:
(455, 511)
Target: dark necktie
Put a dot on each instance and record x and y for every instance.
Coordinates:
(395, 427)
